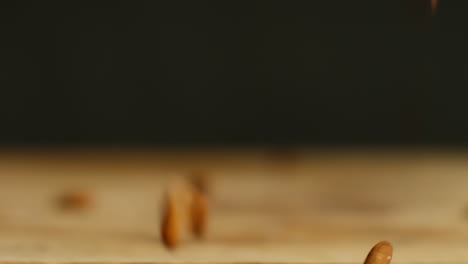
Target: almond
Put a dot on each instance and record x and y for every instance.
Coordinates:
(380, 254)
(199, 213)
(170, 229)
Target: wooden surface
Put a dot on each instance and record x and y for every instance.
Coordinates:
(295, 206)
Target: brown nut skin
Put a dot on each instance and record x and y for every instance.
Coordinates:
(170, 227)
(199, 213)
(381, 253)
(76, 200)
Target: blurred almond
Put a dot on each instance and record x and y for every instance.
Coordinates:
(380, 254)
(199, 213)
(77, 199)
(434, 6)
(170, 230)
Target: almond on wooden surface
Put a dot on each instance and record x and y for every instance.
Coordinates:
(381, 253)
(76, 199)
(170, 222)
(199, 213)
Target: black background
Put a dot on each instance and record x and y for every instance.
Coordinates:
(233, 72)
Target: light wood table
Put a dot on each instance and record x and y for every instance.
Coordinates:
(304, 206)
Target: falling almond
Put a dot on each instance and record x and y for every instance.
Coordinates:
(434, 6)
(380, 254)
(199, 213)
(170, 231)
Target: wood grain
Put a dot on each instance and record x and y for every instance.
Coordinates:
(320, 206)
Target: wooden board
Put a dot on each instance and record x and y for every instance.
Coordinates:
(320, 206)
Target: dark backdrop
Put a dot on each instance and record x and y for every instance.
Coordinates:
(231, 72)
